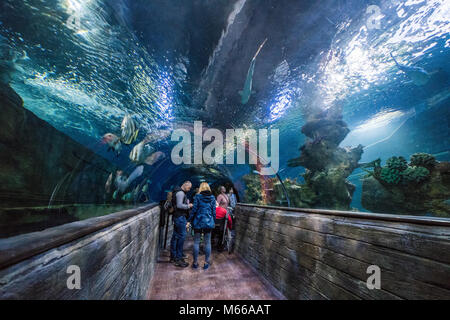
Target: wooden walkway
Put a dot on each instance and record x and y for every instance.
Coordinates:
(227, 278)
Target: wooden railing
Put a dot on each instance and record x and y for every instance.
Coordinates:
(21, 247)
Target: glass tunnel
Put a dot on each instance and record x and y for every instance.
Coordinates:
(319, 107)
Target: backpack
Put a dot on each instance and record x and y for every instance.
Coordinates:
(173, 203)
(168, 207)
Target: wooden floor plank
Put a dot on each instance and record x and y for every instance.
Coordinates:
(227, 278)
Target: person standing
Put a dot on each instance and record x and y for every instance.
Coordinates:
(222, 198)
(233, 202)
(232, 199)
(202, 218)
(181, 212)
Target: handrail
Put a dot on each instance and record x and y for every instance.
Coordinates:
(431, 221)
(24, 246)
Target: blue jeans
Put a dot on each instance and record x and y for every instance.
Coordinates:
(178, 237)
(207, 240)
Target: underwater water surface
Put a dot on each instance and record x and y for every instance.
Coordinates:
(359, 90)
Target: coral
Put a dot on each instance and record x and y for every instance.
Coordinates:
(253, 192)
(397, 163)
(397, 169)
(423, 160)
(423, 190)
(415, 174)
(390, 175)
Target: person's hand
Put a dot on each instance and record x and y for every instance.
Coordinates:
(188, 225)
(190, 205)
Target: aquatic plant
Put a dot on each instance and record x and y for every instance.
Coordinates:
(415, 174)
(423, 160)
(397, 163)
(390, 175)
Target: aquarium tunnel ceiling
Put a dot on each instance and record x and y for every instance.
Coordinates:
(367, 80)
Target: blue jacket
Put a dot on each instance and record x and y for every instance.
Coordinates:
(203, 212)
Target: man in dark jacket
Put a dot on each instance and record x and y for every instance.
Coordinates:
(181, 206)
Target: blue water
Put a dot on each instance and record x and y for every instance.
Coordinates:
(169, 64)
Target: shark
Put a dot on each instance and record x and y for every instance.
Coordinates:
(247, 90)
(415, 112)
(417, 75)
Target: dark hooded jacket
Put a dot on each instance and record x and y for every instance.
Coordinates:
(203, 212)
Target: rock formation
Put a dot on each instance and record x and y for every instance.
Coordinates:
(36, 158)
(327, 165)
(42, 166)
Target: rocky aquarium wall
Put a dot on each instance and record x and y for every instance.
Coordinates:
(46, 177)
(37, 160)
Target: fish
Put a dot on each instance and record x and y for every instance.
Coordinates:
(154, 157)
(122, 182)
(109, 183)
(135, 174)
(127, 197)
(137, 153)
(373, 164)
(441, 153)
(415, 111)
(417, 75)
(157, 136)
(140, 153)
(9, 63)
(113, 143)
(247, 90)
(129, 130)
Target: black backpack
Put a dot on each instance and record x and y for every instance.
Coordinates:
(177, 212)
(174, 198)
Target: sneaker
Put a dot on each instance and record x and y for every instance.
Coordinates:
(172, 260)
(181, 263)
(206, 266)
(195, 266)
